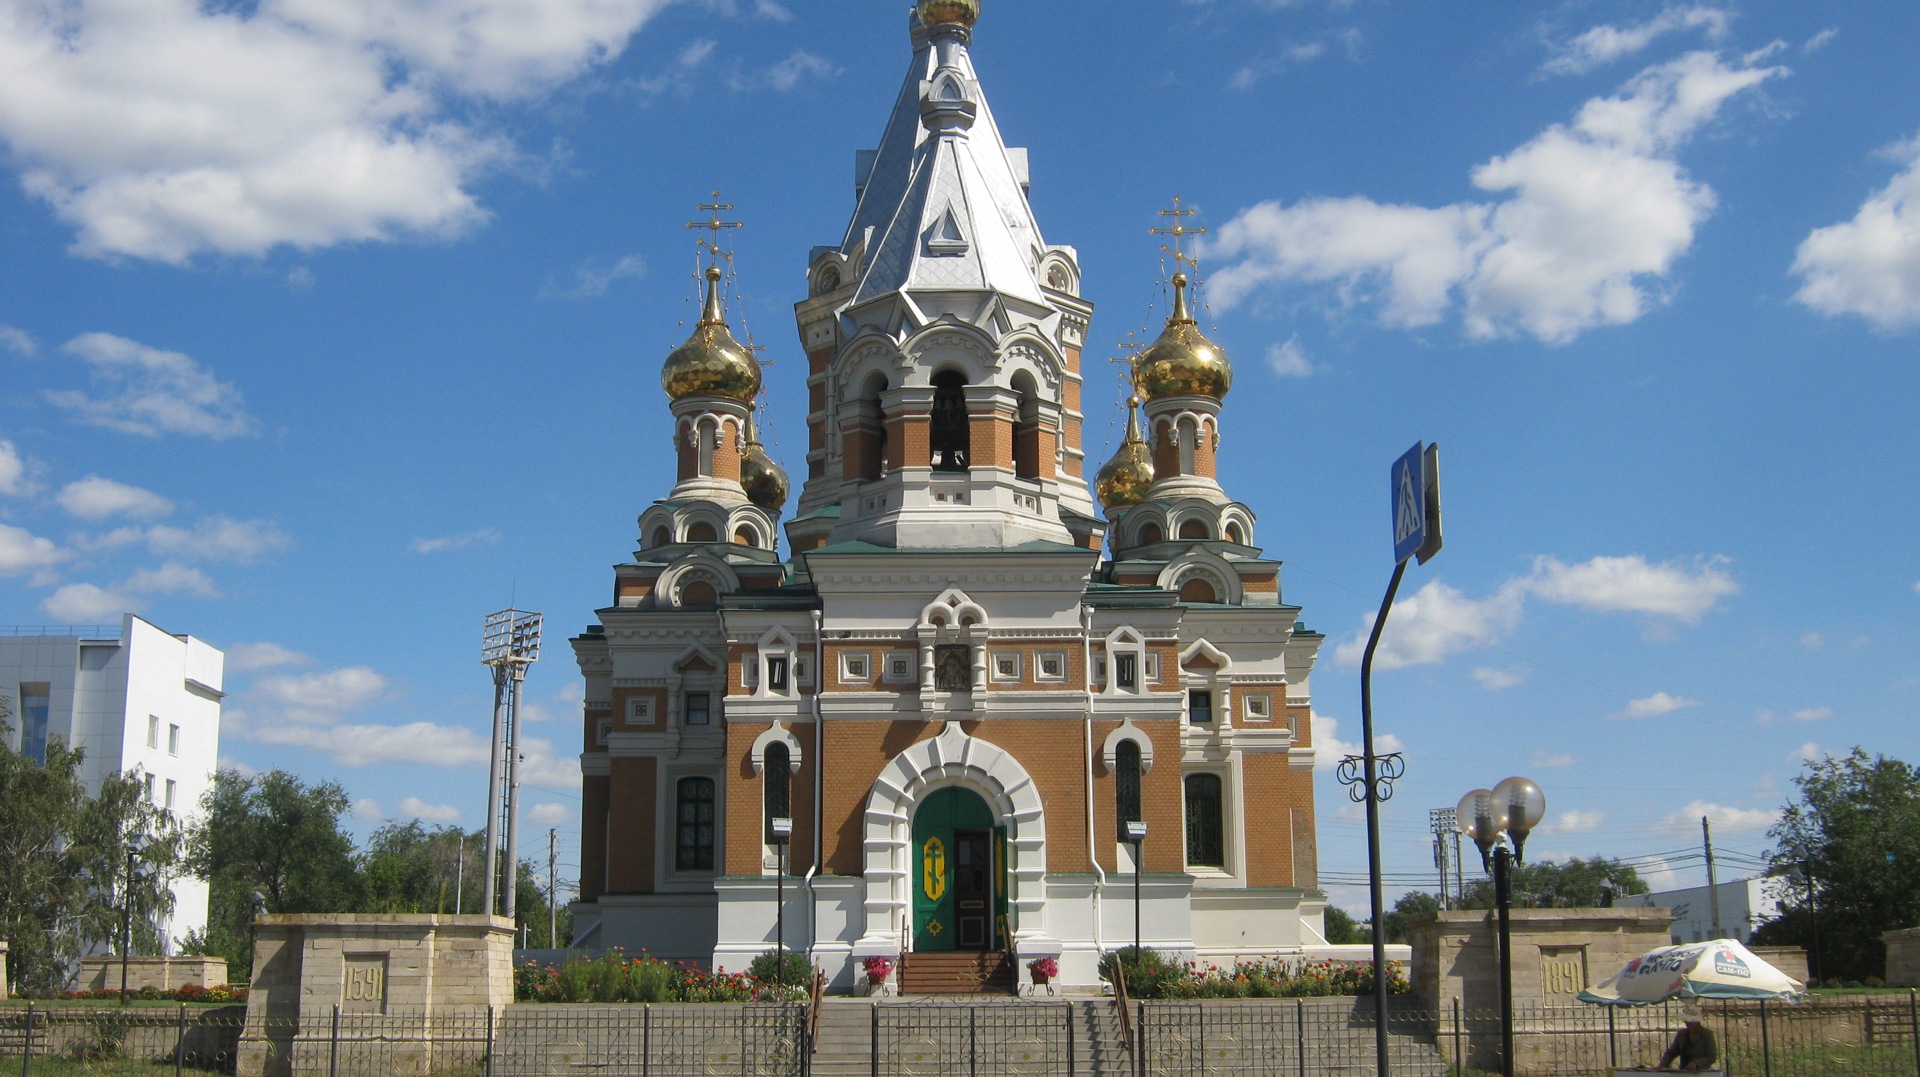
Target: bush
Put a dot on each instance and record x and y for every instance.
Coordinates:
(1149, 974)
(768, 968)
(615, 977)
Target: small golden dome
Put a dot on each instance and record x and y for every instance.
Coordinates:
(765, 482)
(1182, 362)
(711, 362)
(961, 13)
(1124, 481)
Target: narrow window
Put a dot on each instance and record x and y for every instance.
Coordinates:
(1200, 708)
(149, 789)
(35, 705)
(777, 674)
(1206, 845)
(1126, 785)
(699, 708)
(173, 740)
(778, 773)
(949, 435)
(170, 789)
(693, 849)
(153, 731)
(1126, 673)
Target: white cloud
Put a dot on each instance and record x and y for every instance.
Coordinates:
(785, 75)
(18, 341)
(1436, 622)
(1655, 705)
(1813, 714)
(167, 128)
(171, 578)
(1493, 680)
(301, 279)
(247, 657)
(312, 698)
(1555, 760)
(1684, 591)
(95, 498)
(217, 538)
(1605, 44)
(151, 392)
(1687, 819)
(550, 814)
(678, 78)
(22, 552)
(592, 278)
(540, 766)
(1574, 822)
(1596, 214)
(1870, 265)
(1808, 753)
(13, 470)
(1289, 359)
(1820, 40)
(86, 603)
(368, 810)
(371, 745)
(455, 542)
(1329, 749)
(1813, 641)
(415, 808)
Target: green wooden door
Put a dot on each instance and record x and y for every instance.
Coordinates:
(947, 829)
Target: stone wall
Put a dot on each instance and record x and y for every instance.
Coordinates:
(430, 970)
(166, 973)
(1791, 960)
(1903, 957)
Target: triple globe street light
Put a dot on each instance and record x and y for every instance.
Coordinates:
(1512, 808)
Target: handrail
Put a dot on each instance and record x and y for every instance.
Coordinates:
(1120, 999)
(817, 998)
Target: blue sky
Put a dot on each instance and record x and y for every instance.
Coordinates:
(329, 326)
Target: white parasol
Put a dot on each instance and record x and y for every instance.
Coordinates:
(1721, 968)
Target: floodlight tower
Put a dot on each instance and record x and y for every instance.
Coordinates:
(510, 644)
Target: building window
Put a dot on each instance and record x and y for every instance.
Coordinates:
(1051, 665)
(1126, 671)
(856, 667)
(1200, 708)
(778, 774)
(1206, 829)
(35, 704)
(173, 740)
(170, 793)
(1150, 663)
(900, 668)
(149, 789)
(693, 846)
(949, 432)
(153, 731)
(1259, 708)
(1126, 785)
(777, 674)
(1006, 666)
(699, 708)
(602, 730)
(640, 712)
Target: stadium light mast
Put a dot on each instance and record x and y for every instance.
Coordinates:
(509, 645)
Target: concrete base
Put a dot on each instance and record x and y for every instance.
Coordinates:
(102, 972)
(1903, 957)
(426, 968)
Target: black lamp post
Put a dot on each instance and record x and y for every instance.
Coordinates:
(1136, 833)
(782, 828)
(1514, 807)
(134, 844)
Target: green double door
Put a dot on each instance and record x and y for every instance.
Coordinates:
(960, 874)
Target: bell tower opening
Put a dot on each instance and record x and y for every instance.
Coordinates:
(949, 437)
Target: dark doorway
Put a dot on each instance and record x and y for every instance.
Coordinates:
(973, 888)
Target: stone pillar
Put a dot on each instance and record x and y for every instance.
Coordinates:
(1903, 957)
(3, 968)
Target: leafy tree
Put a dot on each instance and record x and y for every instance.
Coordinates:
(408, 868)
(63, 862)
(273, 835)
(1570, 884)
(1855, 833)
(1341, 928)
(1414, 905)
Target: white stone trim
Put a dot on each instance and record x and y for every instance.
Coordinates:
(778, 734)
(1109, 749)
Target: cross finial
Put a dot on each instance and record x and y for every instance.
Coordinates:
(1179, 231)
(714, 224)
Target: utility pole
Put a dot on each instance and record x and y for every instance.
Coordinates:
(553, 909)
(1713, 889)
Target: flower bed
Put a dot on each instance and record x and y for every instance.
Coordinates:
(615, 977)
(224, 994)
(1149, 976)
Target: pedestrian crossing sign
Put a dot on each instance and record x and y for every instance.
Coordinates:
(1416, 503)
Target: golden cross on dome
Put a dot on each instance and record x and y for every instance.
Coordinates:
(1132, 346)
(1179, 231)
(714, 224)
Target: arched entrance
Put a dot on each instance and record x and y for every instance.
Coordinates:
(959, 877)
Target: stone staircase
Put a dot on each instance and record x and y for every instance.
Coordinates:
(958, 973)
(843, 1045)
(1097, 1047)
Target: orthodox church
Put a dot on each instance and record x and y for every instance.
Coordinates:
(935, 726)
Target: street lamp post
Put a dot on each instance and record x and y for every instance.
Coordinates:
(1514, 807)
(1136, 833)
(126, 915)
(782, 828)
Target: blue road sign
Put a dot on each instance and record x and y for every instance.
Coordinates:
(1409, 503)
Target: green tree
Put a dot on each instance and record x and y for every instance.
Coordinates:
(1855, 833)
(63, 862)
(1341, 928)
(1414, 905)
(272, 835)
(1570, 884)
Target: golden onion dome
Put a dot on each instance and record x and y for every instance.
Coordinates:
(1124, 481)
(765, 482)
(711, 362)
(1182, 362)
(937, 13)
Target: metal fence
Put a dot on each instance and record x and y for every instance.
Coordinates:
(1283, 1038)
(969, 1038)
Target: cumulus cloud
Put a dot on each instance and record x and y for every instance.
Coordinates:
(1687, 819)
(1436, 622)
(1682, 590)
(87, 603)
(1595, 214)
(13, 470)
(1329, 749)
(550, 814)
(368, 810)
(1820, 40)
(1556, 760)
(1574, 822)
(95, 498)
(321, 698)
(1870, 266)
(1808, 753)
(168, 128)
(1655, 705)
(218, 538)
(1813, 714)
(592, 278)
(1813, 641)
(147, 391)
(1289, 359)
(249, 657)
(22, 552)
(785, 75)
(1605, 44)
(455, 542)
(18, 341)
(415, 808)
(1493, 680)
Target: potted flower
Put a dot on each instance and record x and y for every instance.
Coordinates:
(877, 969)
(1044, 969)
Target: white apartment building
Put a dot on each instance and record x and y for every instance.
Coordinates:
(138, 699)
(1745, 904)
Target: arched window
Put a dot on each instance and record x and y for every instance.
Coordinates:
(1198, 589)
(702, 532)
(1194, 529)
(693, 845)
(1026, 432)
(1236, 535)
(661, 537)
(1206, 829)
(1149, 534)
(873, 429)
(776, 774)
(745, 537)
(699, 593)
(1126, 785)
(949, 435)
